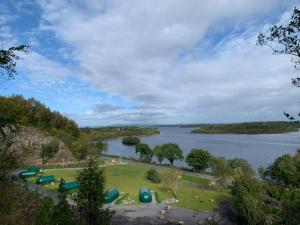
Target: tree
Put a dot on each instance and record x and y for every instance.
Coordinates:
(198, 159)
(283, 171)
(49, 150)
(99, 146)
(285, 39)
(171, 152)
(83, 146)
(145, 152)
(241, 165)
(62, 213)
(157, 151)
(8, 127)
(275, 199)
(131, 140)
(250, 201)
(45, 212)
(9, 58)
(220, 167)
(90, 198)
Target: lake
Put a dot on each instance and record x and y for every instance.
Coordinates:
(258, 149)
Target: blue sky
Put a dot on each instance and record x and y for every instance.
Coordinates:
(144, 62)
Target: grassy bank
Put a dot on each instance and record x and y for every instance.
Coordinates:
(130, 178)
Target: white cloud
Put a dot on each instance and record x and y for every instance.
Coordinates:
(133, 49)
(42, 70)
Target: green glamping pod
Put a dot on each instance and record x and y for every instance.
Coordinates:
(30, 172)
(111, 195)
(45, 180)
(145, 195)
(33, 169)
(27, 174)
(68, 186)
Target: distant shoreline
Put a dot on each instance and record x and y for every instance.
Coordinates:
(248, 128)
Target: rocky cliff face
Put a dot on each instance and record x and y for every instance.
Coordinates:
(28, 145)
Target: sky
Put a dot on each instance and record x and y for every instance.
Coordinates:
(104, 62)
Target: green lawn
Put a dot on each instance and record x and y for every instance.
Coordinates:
(130, 178)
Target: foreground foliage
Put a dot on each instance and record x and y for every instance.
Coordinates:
(273, 200)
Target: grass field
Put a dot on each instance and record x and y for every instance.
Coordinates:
(130, 178)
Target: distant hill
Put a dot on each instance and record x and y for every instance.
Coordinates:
(248, 128)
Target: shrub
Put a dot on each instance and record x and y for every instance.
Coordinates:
(131, 140)
(157, 197)
(153, 176)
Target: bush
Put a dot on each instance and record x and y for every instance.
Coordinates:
(131, 140)
(153, 176)
(157, 197)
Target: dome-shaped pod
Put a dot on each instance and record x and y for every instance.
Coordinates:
(33, 169)
(27, 174)
(71, 185)
(111, 194)
(145, 195)
(45, 180)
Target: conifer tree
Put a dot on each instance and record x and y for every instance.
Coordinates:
(62, 214)
(90, 197)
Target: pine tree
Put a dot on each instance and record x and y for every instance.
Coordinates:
(90, 197)
(62, 214)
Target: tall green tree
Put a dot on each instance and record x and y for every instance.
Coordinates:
(171, 152)
(250, 201)
(145, 151)
(275, 199)
(158, 153)
(62, 212)
(90, 198)
(241, 166)
(198, 159)
(44, 213)
(283, 171)
(220, 168)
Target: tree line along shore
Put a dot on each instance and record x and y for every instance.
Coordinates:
(249, 128)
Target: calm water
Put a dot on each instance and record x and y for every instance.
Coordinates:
(259, 149)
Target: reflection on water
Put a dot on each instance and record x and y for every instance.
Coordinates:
(258, 149)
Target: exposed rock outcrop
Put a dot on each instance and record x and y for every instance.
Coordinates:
(28, 143)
